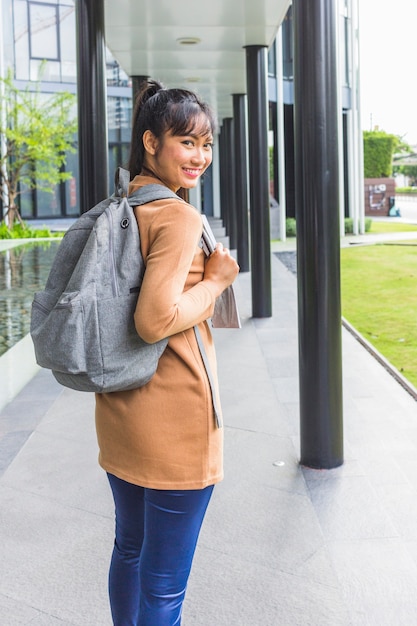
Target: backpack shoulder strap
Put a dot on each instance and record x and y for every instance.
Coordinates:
(121, 181)
(148, 193)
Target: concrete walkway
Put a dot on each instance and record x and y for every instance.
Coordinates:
(281, 545)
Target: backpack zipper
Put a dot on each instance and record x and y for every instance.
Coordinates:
(58, 305)
(40, 306)
(112, 260)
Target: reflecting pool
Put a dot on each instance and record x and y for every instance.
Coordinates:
(23, 270)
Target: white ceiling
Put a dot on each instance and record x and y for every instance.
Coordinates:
(143, 37)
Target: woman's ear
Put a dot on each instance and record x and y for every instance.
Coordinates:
(150, 142)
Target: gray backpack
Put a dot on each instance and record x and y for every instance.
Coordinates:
(82, 324)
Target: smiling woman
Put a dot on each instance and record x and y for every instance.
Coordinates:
(172, 136)
(162, 445)
(179, 160)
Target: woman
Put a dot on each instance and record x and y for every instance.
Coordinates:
(161, 445)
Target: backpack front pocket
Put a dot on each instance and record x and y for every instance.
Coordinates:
(59, 332)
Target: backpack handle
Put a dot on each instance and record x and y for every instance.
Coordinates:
(121, 180)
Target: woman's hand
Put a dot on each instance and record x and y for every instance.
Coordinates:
(221, 269)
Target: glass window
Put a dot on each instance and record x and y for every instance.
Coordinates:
(68, 52)
(26, 204)
(272, 55)
(43, 31)
(288, 45)
(48, 204)
(21, 39)
(50, 71)
(72, 199)
(25, 198)
(345, 51)
(119, 112)
(115, 75)
(125, 111)
(125, 154)
(114, 162)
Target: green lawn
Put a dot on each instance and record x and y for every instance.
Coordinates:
(391, 227)
(379, 298)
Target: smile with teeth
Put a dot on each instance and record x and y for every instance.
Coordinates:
(191, 171)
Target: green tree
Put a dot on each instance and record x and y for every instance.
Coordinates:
(378, 149)
(37, 132)
(410, 170)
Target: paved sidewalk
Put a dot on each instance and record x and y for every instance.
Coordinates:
(281, 545)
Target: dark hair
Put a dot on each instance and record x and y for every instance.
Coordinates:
(160, 110)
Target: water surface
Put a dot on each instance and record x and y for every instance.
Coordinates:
(23, 270)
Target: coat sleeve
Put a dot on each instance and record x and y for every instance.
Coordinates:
(164, 308)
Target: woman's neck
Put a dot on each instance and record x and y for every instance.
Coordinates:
(148, 172)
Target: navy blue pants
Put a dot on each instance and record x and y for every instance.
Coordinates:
(156, 536)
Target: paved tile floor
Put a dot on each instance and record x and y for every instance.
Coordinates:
(282, 545)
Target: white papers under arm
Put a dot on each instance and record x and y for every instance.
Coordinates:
(226, 314)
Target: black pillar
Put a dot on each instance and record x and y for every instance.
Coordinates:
(241, 181)
(273, 114)
(259, 181)
(229, 181)
(207, 192)
(92, 103)
(318, 235)
(223, 173)
(137, 82)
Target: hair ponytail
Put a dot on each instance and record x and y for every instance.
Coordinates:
(160, 110)
(148, 89)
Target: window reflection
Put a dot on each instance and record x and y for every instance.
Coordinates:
(43, 31)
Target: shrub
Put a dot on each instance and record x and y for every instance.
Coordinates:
(405, 190)
(349, 225)
(24, 231)
(378, 149)
(290, 228)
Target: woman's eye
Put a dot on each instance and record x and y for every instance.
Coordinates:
(187, 142)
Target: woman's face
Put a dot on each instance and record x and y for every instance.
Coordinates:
(178, 160)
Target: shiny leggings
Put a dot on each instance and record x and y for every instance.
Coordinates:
(156, 536)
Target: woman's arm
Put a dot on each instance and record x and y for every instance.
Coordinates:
(163, 307)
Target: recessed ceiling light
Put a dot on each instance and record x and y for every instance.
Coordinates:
(188, 41)
(193, 79)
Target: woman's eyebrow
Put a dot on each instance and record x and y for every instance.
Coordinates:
(207, 138)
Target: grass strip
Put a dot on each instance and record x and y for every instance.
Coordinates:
(379, 298)
(391, 227)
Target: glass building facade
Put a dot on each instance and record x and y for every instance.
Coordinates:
(42, 34)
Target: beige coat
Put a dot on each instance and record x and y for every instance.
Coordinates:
(164, 435)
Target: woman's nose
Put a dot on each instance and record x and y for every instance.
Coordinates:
(198, 155)
(201, 155)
